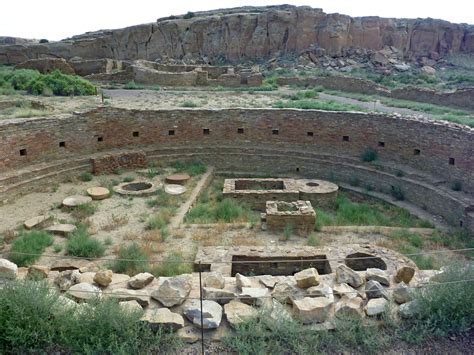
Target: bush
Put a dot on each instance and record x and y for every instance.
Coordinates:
(172, 265)
(85, 177)
(61, 84)
(131, 260)
(189, 103)
(369, 154)
(34, 242)
(34, 319)
(397, 193)
(43, 40)
(83, 211)
(21, 78)
(82, 245)
(188, 15)
(192, 168)
(456, 185)
(313, 240)
(317, 105)
(131, 85)
(444, 309)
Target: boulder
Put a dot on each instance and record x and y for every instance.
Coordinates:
(8, 270)
(37, 272)
(61, 229)
(217, 294)
(214, 280)
(409, 309)
(277, 311)
(37, 222)
(345, 290)
(428, 70)
(401, 293)
(242, 281)
(65, 279)
(283, 291)
(402, 67)
(377, 275)
(268, 281)
(173, 291)
(85, 277)
(307, 278)
(373, 289)
(376, 306)
(76, 200)
(312, 310)
(163, 317)
(238, 312)
(349, 307)
(320, 291)
(103, 278)
(83, 291)
(405, 274)
(130, 306)
(211, 313)
(254, 295)
(123, 294)
(140, 280)
(345, 274)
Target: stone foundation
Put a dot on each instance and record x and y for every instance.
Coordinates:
(299, 215)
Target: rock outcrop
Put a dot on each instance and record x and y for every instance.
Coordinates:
(254, 33)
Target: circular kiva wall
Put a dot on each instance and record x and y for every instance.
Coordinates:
(420, 158)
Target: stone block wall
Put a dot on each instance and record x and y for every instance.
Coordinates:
(298, 215)
(110, 163)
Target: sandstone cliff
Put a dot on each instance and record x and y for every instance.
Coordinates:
(256, 33)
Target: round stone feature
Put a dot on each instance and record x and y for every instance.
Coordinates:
(98, 193)
(321, 193)
(177, 179)
(174, 189)
(136, 188)
(76, 200)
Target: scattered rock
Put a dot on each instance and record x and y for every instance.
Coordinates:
(131, 306)
(61, 229)
(377, 275)
(428, 70)
(37, 222)
(268, 281)
(173, 291)
(405, 274)
(211, 313)
(254, 295)
(349, 307)
(402, 67)
(307, 278)
(83, 291)
(312, 310)
(103, 278)
(345, 290)
(163, 317)
(85, 277)
(123, 294)
(140, 280)
(98, 193)
(8, 269)
(345, 274)
(37, 272)
(401, 293)
(320, 291)
(238, 312)
(66, 279)
(214, 280)
(76, 200)
(375, 306)
(217, 294)
(373, 289)
(278, 311)
(283, 291)
(242, 281)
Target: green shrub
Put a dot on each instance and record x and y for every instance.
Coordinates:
(61, 84)
(189, 103)
(413, 238)
(128, 179)
(33, 242)
(157, 221)
(131, 85)
(313, 240)
(20, 78)
(192, 168)
(34, 319)
(173, 264)
(288, 231)
(397, 193)
(369, 154)
(188, 15)
(85, 177)
(317, 105)
(83, 211)
(456, 185)
(131, 259)
(82, 245)
(444, 309)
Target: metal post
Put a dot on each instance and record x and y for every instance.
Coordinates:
(200, 298)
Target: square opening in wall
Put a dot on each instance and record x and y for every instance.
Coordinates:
(275, 131)
(136, 134)
(100, 139)
(451, 161)
(171, 132)
(22, 152)
(381, 144)
(240, 130)
(62, 144)
(345, 138)
(206, 131)
(416, 152)
(310, 134)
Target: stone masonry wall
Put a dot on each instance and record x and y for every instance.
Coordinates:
(111, 162)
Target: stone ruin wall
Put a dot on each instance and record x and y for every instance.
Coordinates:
(108, 164)
(268, 141)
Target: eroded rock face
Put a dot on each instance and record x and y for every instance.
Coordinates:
(254, 33)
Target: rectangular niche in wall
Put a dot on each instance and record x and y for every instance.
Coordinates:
(62, 144)
(23, 152)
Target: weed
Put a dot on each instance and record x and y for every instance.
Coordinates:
(313, 240)
(85, 177)
(288, 231)
(131, 85)
(172, 265)
(397, 193)
(192, 168)
(189, 104)
(83, 211)
(131, 260)
(128, 179)
(108, 241)
(57, 248)
(27, 248)
(82, 245)
(317, 105)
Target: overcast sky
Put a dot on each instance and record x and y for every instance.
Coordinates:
(56, 19)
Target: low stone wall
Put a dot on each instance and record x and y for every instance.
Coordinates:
(299, 216)
(95, 66)
(148, 76)
(110, 163)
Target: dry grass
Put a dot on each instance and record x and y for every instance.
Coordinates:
(208, 237)
(115, 222)
(248, 238)
(179, 234)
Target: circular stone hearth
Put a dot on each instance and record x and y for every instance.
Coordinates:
(98, 193)
(76, 200)
(174, 189)
(177, 179)
(138, 188)
(321, 193)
